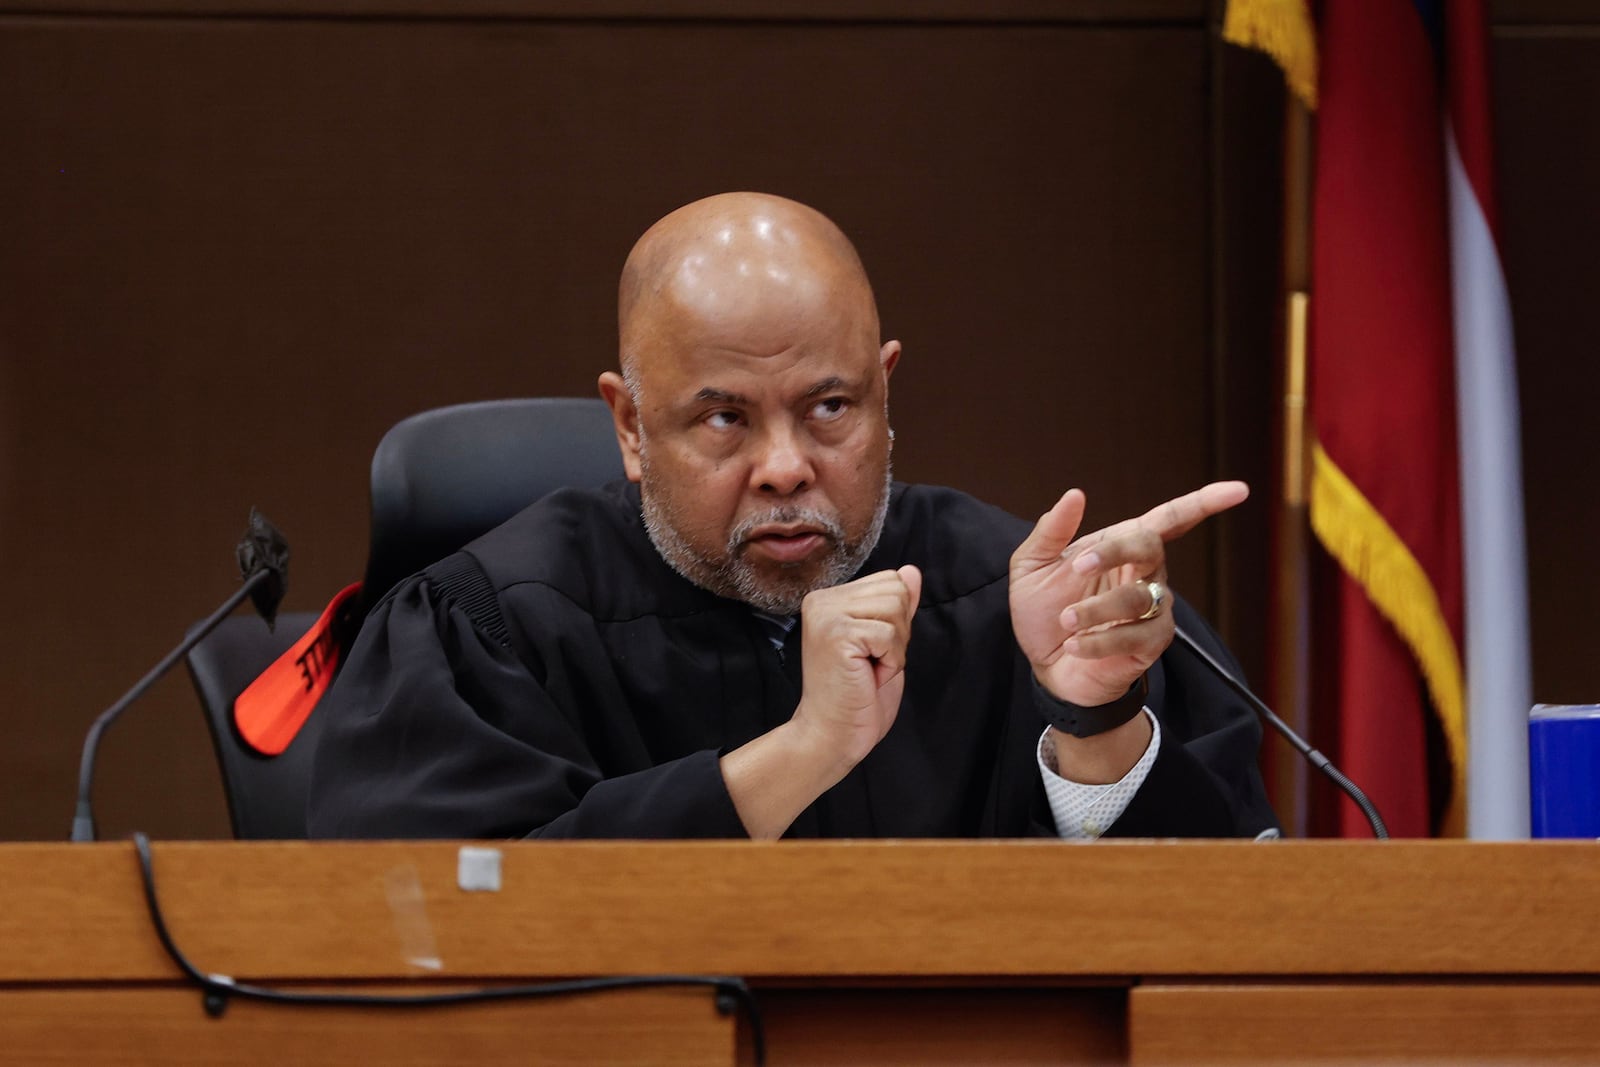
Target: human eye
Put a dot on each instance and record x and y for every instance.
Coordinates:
(829, 408)
(722, 419)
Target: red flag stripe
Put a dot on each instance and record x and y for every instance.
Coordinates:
(1467, 60)
(1385, 493)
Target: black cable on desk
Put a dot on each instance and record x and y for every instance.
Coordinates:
(733, 995)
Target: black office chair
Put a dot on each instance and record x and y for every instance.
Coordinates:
(439, 479)
(221, 667)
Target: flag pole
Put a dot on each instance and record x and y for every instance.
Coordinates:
(1291, 645)
(1286, 31)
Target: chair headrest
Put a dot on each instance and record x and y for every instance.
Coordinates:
(446, 476)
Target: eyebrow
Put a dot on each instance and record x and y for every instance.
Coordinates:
(720, 396)
(827, 385)
(709, 395)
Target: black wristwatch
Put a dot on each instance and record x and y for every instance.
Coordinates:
(1079, 721)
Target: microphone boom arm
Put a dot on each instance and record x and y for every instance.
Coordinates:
(1315, 758)
(263, 562)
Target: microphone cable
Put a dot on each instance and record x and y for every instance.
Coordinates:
(732, 994)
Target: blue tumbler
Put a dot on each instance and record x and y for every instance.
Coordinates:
(1564, 766)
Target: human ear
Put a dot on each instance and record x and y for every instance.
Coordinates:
(888, 356)
(625, 418)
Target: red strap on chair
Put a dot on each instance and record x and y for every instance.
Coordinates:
(271, 710)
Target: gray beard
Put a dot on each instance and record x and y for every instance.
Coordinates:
(733, 577)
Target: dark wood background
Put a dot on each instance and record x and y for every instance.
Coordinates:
(238, 241)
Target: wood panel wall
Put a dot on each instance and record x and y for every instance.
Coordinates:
(1547, 113)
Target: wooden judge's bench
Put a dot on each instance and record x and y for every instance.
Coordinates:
(858, 952)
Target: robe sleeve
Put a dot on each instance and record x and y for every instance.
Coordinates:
(436, 728)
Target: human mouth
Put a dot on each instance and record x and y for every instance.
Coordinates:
(786, 545)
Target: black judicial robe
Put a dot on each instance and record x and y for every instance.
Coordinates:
(558, 679)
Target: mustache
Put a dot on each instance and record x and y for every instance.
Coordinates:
(785, 516)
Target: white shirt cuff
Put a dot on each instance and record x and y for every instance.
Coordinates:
(1084, 812)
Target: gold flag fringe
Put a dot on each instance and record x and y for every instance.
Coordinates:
(1369, 550)
(1283, 29)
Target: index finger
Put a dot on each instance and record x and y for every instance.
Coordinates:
(1181, 514)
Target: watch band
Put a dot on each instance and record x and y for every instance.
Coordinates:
(1079, 721)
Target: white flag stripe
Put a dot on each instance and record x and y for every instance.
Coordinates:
(1493, 548)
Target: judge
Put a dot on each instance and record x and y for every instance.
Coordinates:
(760, 634)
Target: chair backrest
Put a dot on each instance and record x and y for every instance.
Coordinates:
(439, 479)
(266, 794)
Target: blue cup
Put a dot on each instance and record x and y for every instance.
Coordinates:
(1564, 769)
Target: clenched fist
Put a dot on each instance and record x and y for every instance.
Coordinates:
(854, 662)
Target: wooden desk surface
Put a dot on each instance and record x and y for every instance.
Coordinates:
(802, 911)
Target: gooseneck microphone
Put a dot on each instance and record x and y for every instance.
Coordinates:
(264, 565)
(1312, 756)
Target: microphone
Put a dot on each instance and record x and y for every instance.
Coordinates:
(263, 558)
(1312, 756)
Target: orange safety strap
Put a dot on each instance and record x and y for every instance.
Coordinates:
(271, 710)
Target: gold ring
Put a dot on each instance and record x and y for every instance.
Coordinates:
(1158, 597)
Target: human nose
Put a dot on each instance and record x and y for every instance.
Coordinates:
(784, 466)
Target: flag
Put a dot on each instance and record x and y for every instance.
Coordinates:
(1410, 324)
(1385, 484)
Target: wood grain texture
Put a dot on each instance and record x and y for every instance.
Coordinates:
(1056, 11)
(1549, 168)
(837, 910)
(1503, 1025)
(1548, 13)
(1002, 1027)
(169, 1026)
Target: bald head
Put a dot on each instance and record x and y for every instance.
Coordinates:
(743, 264)
(753, 405)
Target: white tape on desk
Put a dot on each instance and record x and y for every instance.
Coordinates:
(478, 869)
(408, 907)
